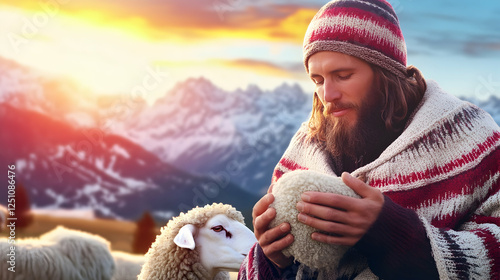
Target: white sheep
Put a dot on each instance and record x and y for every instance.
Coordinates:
(203, 243)
(128, 266)
(59, 254)
(316, 255)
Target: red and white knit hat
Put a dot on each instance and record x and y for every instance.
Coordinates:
(367, 29)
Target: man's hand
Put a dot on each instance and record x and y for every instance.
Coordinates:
(271, 240)
(344, 219)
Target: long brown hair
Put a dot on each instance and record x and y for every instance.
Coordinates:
(400, 95)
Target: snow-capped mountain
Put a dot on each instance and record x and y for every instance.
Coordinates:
(28, 89)
(20, 86)
(238, 135)
(201, 128)
(66, 167)
(120, 156)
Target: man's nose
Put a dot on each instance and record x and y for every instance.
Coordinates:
(331, 92)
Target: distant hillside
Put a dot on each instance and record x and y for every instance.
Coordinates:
(64, 167)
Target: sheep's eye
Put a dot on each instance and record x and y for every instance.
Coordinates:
(218, 228)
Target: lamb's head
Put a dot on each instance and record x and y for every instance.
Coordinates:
(221, 242)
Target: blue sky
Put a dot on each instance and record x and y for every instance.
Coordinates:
(456, 43)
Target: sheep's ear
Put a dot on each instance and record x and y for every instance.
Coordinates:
(185, 237)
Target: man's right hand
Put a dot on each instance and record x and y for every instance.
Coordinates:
(273, 240)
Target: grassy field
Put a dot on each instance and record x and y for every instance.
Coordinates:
(119, 233)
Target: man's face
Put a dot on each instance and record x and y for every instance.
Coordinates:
(343, 83)
(355, 130)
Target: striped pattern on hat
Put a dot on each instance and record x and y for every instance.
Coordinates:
(367, 29)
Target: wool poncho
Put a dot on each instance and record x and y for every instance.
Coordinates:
(440, 179)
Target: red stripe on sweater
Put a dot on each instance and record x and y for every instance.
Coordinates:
(493, 247)
(288, 164)
(440, 170)
(276, 176)
(448, 221)
(452, 187)
(486, 220)
(251, 261)
(291, 165)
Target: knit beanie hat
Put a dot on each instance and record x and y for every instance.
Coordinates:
(367, 29)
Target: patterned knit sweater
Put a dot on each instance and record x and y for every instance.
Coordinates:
(441, 183)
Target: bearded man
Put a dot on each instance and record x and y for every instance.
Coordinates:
(425, 163)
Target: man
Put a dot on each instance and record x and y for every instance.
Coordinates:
(425, 164)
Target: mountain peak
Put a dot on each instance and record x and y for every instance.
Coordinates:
(196, 82)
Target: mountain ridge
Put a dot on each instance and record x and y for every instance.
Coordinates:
(63, 168)
(197, 122)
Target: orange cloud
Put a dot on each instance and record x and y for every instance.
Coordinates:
(286, 23)
(264, 67)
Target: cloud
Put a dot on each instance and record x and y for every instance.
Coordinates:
(188, 19)
(481, 48)
(216, 20)
(471, 45)
(287, 70)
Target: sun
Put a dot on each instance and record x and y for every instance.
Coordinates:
(103, 59)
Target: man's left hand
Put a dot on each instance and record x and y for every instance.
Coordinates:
(344, 219)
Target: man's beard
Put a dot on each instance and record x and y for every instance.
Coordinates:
(354, 145)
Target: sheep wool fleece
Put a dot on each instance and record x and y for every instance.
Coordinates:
(287, 193)
(440, 178)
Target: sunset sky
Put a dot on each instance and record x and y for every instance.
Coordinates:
(111, 47)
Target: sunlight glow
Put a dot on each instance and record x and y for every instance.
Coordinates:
(109, 54)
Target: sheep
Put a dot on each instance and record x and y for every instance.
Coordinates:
(128, 266)
(203, 243)
(58, 254)
(316, 255)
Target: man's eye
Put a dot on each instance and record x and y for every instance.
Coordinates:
(317, 82)
(344, 77)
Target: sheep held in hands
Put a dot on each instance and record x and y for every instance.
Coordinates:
(59, 254)
(287, 192)
(203, 243)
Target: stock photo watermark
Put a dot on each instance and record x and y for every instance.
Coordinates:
(224, 6)
(33, 25)
(487, 87)
(11, 217)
